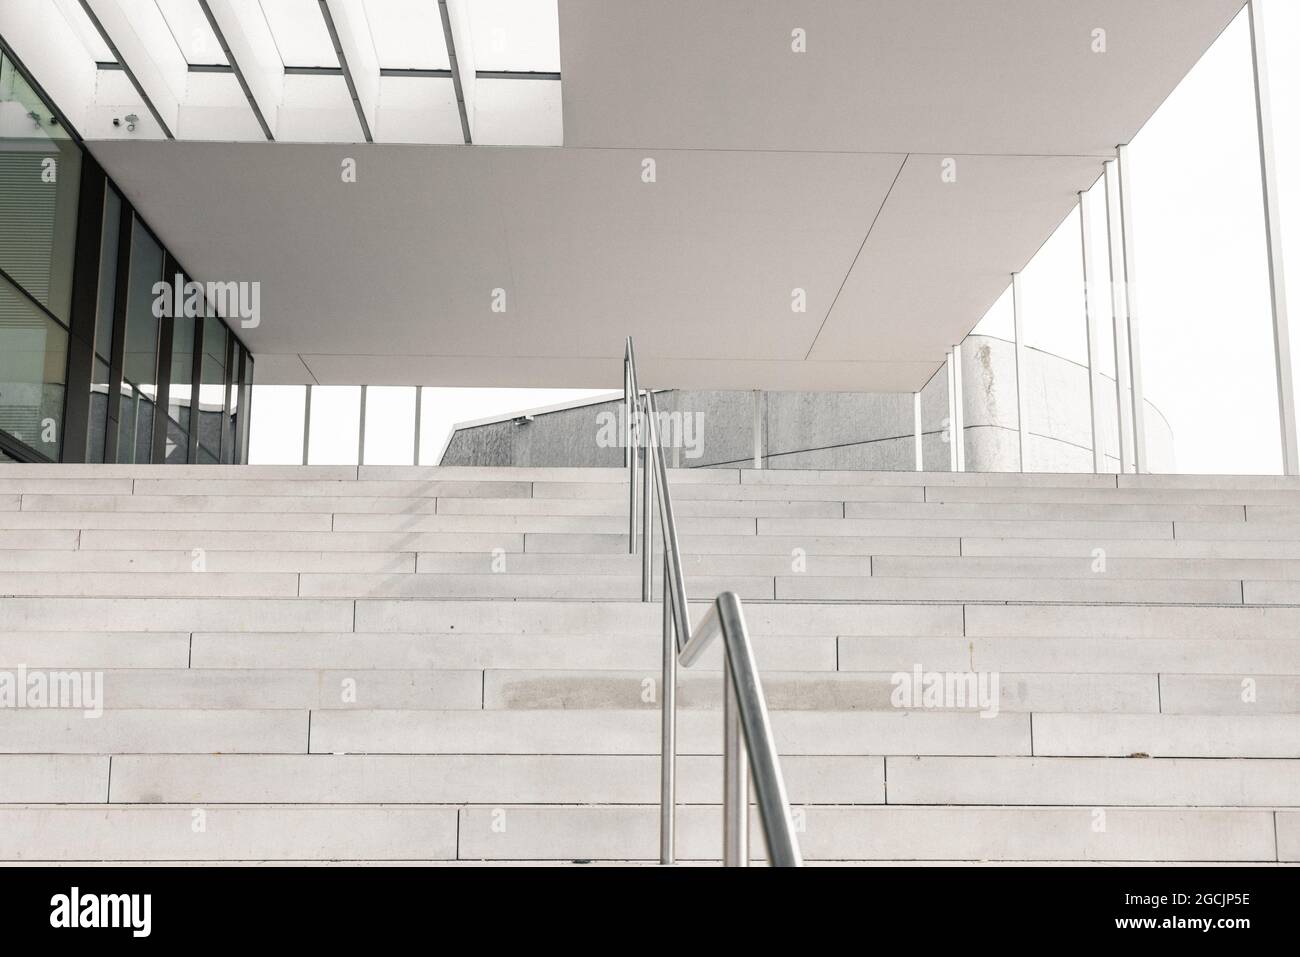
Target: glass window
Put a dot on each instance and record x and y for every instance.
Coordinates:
(33, 363)
(1201, 289)
(230, 444)
(936, 424)
(244, 408)
(40, 179)
(103, 345)
(335, 423)
(390, 425)
(212, 390)
(107, 274)
(1101, 306)
(180, 389)
(1058, 436)
(140, 355)
(275, 432)
(98, 427)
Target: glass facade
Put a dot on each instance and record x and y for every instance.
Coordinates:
(94, 366)
(40, 172)
(33, 354)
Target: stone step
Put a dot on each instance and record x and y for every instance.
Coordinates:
(970, 527)
(412, 504)
(632, 779)
(1252, 531)
(438, 778)
(869, 833)
(46, 521)
(1043, 512)
(1168, 735)
(690, 492)
(504, 485)
(94, 649)
(1102, 782)
(224, 832)
(973, 589)
(274, 832)
(978, 479)
(509, 584)
(294, 689)
(21, 540)
(786, 691)
(98, 471)
(784, 545)
(1092, 548)
(687, 508)
(174, 614)
(324, 541)
(556, 731)
(1227, 656)
(476, 651)
(55, 778)
(170, 731)
(1271, 592)
(1230, 694)
(424, 473)
(1099, 621)
(150, 585)
(1081, 567)
(592, 524)
(638, 618)
(214, 561)
(1112, 496)
(693, 565)
(374, 688)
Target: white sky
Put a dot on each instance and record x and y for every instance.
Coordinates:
(1201, 292)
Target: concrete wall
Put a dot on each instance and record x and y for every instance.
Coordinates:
(847, 430)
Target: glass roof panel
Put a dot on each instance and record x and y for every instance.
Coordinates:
(193, 33)
(516, 35)
(407, 34)
(300, 34)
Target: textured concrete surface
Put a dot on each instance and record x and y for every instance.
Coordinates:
(852, 430)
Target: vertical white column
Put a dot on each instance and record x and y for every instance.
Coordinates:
(1022, 400)
(1090, 325)
(959, 411)
(1130, 296)
(1273, 238)
(758, 429)
(1119, 319)
(916, 431)
(952, 414)
(361, 429)
(306, 426)
(419, 408)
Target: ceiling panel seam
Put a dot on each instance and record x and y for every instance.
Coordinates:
(861, 246)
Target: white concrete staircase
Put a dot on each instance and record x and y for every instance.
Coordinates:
(397, 664)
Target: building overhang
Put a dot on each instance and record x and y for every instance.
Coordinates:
(832, 219)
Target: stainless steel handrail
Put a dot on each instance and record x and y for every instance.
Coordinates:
(748, 750)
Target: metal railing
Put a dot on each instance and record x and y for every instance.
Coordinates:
(748, 751)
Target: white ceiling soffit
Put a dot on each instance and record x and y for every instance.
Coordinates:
(296, 70)
(938, 76)
(391, 280)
